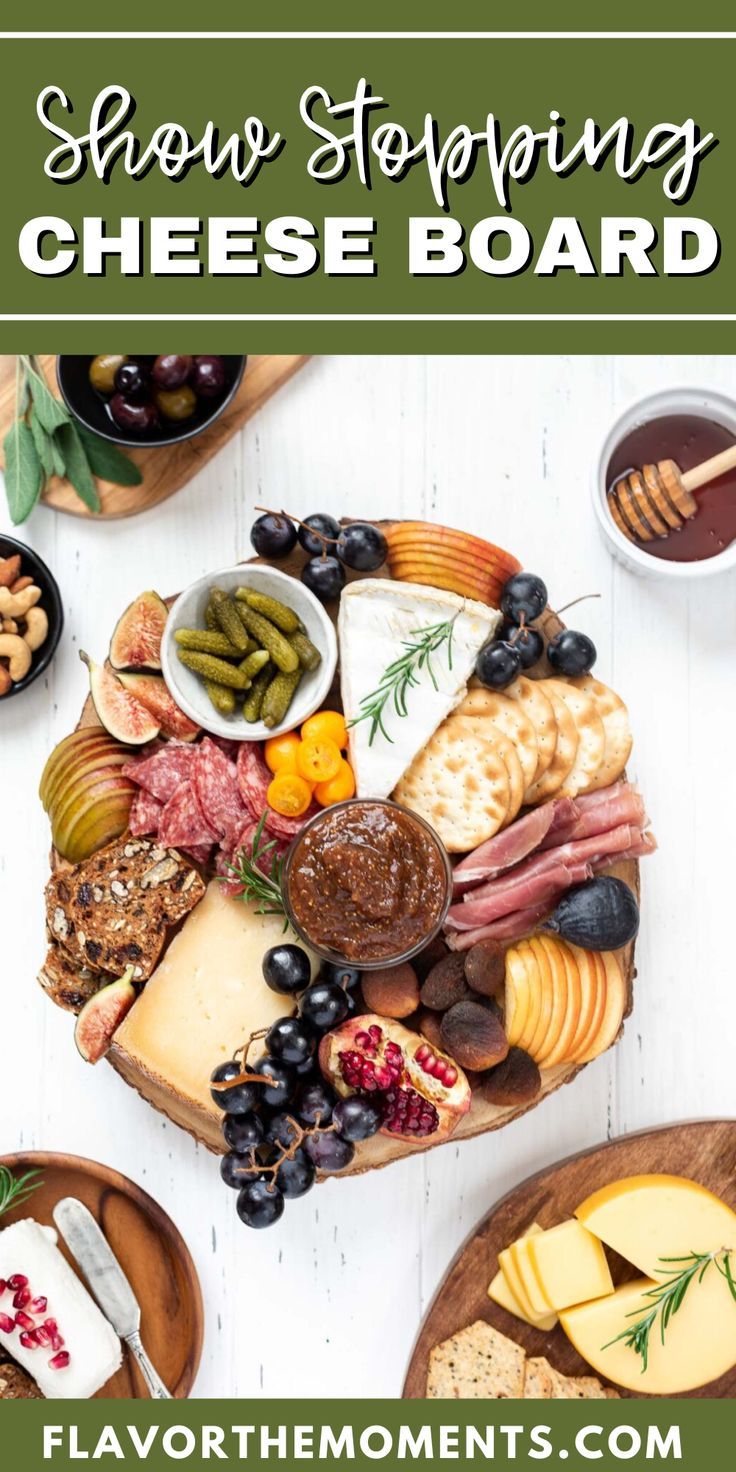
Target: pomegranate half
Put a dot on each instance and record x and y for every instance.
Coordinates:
(422, 1092)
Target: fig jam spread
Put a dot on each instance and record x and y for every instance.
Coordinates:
(368, 881)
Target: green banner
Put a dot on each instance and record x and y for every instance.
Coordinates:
(360, 1434)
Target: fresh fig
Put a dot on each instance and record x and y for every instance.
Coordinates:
(136, 640)
(422, 1093)
(102, 1015)
(119, 711)
(153, 692)
(600, 915)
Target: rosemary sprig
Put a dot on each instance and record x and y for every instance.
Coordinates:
(14, 1192)
(403, 673)
(667, 1298)
(261, 883)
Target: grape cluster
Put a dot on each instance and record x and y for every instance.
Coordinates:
(331, 548)
(517, 646)
(282, 1122)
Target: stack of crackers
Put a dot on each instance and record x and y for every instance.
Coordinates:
(479, 1363)
(500, 751)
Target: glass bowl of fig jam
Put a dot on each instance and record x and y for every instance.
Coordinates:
(687, 426)
(367, 883)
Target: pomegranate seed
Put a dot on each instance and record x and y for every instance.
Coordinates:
(24, 1321)
(375, 1033)
(21, 1298)
(3, 1285)
(18, 1280)
(51, 1325)
(42, 1336)
(362, 1039)
(450, 1076)
(422, 1053)
(38, 1305)
(56, 1341)
(29, 1341)
(59, 1361)
(6, 1324)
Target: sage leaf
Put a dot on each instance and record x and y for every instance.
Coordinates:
(77, 465)
(43, 443)
(107, 461)
(51, 412)
(23, 475)
(56, 455)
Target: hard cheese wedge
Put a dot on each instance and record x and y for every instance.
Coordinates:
(570, 1265)
(699, 1346)
(646, 1218)
(201, 1003)
(510, 1273)
(377, 617)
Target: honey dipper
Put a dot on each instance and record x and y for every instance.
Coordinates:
(658, 499)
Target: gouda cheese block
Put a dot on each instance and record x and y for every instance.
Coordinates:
(699, 1345)
(646, 1218)
(570, 1265)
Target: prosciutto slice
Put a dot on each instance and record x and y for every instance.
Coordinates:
(600, 846)
(512, 845)
(518, 893)
(509, 927)
(615, 806)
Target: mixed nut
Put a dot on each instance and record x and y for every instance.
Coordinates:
(24, 625)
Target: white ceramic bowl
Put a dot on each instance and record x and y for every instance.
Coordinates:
(702, 401)
(188, 613)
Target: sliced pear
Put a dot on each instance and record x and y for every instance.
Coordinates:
(615, 1007)
(66, 751)
(98, 824)
(95, 763)
(82, 797)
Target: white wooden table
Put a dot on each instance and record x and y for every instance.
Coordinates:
(329, 1302)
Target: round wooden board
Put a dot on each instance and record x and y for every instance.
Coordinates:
(381, 1150)
(151, 1252)
(705, 1151)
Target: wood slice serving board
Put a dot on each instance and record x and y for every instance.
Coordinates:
(166, 468)
(704, 1151)
(151, 1252)
(381, 1149)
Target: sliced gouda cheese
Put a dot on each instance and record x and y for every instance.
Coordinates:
(510, 1273)
(646, 1218)
(530, 1279)
(501, 1294)
(699, 1345)
(570, 1265)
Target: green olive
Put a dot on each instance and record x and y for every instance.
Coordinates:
(176, 403)
(102, 371)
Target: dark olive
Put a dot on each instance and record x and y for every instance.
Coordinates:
(208, 377)
(132, 379)
(170, 370)
(102, 371)
(140, 418)
(176, 403)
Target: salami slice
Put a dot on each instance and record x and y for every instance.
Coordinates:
(253, 777)
(200, 853)
(216, 781)
(183, 824)
(229, 747)
(145, 814)
(163, 772)
(288, 828)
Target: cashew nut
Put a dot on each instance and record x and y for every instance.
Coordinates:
(5, 680)
(17, 605)
(20, 584)
(9, 626)
(17, 651)
(9, 570)
(37, 628)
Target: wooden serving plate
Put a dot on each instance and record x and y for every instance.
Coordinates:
(704, 1151)
(380, 1150)
(151, 1252)
(165, 468)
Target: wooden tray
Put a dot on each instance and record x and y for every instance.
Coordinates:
(151, 1252)
(704, 1151)
(167, 468)
(381, 1150)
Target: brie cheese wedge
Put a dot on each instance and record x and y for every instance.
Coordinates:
(377, 617)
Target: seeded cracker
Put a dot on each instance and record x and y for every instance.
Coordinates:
(66, 981)
(476, 1364)
(115, 909)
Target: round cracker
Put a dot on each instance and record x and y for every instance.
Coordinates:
(538, 707)
(591, 736)
(563, 761)
(460, 784)
(509, 717)
(615, 717)
(506, 750)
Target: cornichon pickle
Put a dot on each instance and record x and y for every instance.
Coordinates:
(210, 619)
(279, 696)
(222, 698)
(212, 668)
(279, 613)
(270, 638)
(254, 663)
(208, 641)
(254, 698)
(227, 617)
(308, 652)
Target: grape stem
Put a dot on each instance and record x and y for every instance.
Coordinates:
(245, 1077)
(287, 1151)
(322, 536)
(582, 599)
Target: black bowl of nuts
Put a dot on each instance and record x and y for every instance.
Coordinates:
(31, 617)
(138, 399)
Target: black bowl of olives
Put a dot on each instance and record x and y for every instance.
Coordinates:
(137, 399)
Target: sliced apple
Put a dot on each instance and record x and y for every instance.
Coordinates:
(559, 1053)
(484, 590)
(613, 1014)
(517, 996)
(544, 971)
(534, 983)
(558, 974)
(593, 984)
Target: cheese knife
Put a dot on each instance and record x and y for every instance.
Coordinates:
(92, 1253)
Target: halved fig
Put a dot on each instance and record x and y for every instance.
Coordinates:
(136, 640)
(102, 1015)
(119, 711)
(422, 1093)
(153, 692)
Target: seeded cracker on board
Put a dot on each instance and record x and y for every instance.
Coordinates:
(476, 1364)
(66, 981)
(115, 909)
